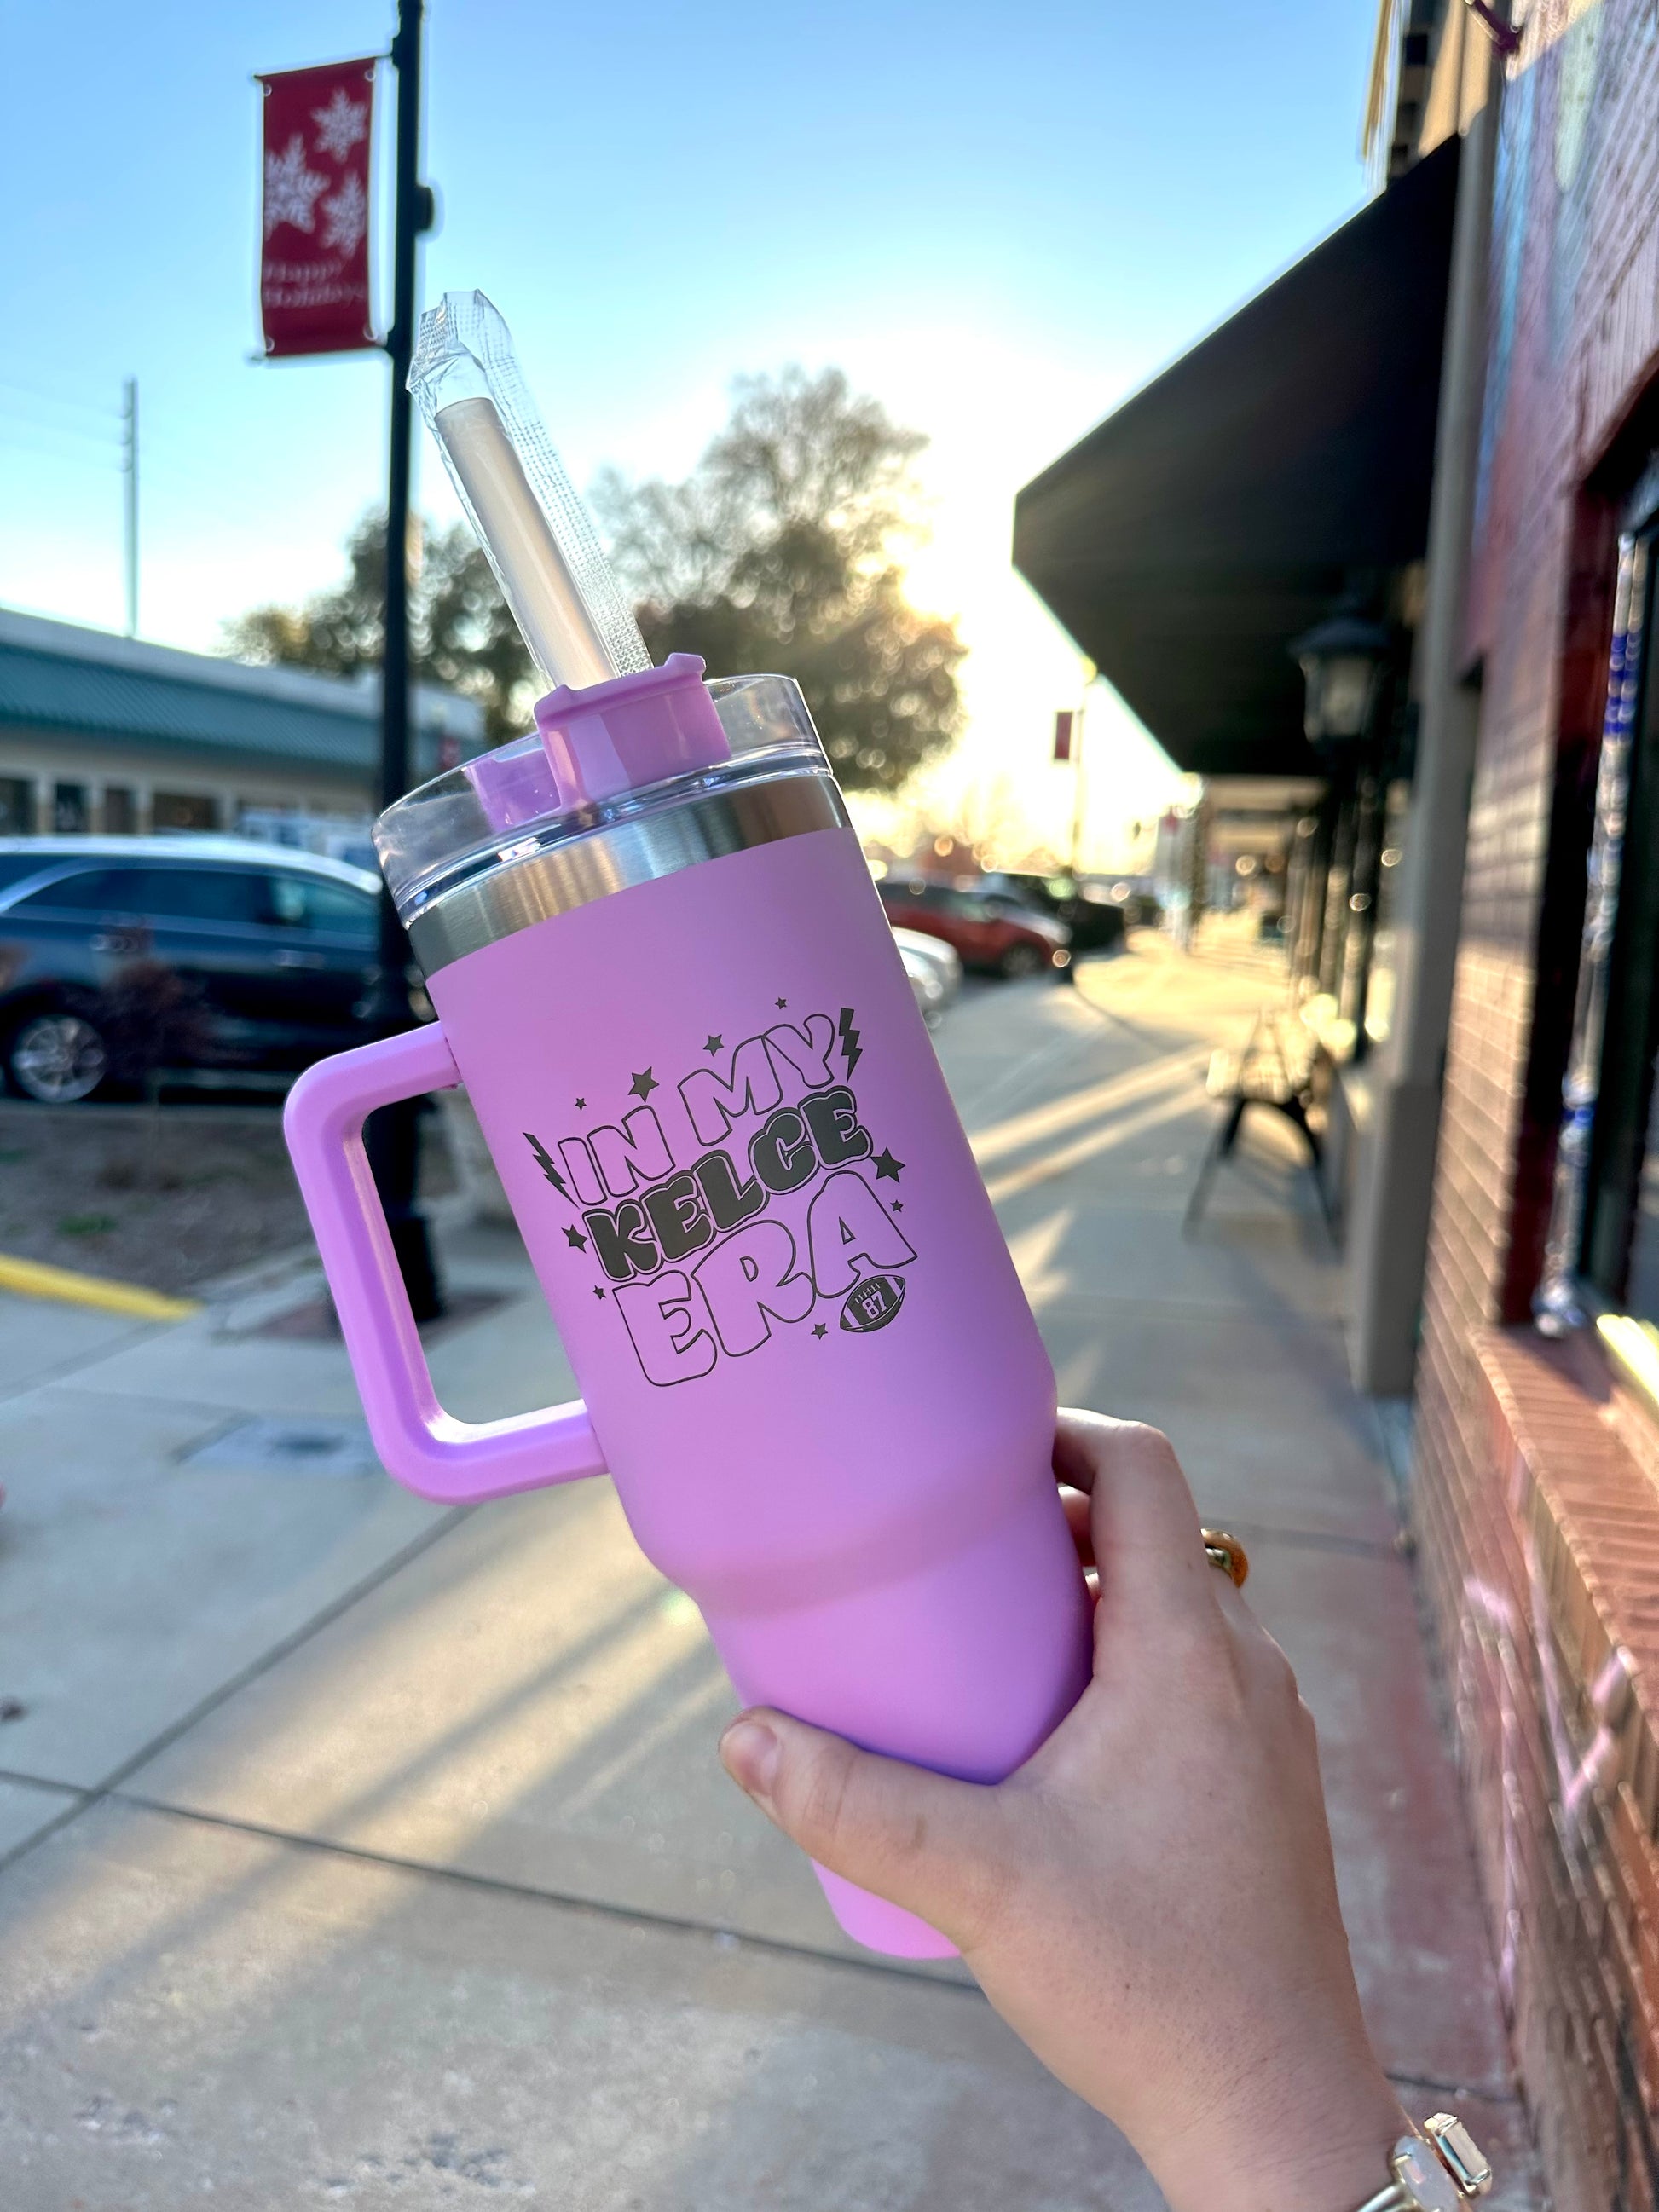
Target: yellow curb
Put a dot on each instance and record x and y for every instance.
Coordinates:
(33, 1278)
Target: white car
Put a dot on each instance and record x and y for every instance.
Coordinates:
(934, 970)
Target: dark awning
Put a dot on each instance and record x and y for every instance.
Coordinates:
(1221, 510)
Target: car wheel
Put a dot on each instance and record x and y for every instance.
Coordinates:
(56, 1058)
(1022, 960)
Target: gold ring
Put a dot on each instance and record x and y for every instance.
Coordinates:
(1226, 1552)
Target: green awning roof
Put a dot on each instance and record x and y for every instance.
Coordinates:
(55, 677)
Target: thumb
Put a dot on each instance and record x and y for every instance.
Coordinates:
(937, 1847)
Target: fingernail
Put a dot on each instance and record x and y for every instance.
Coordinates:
(749, 1752)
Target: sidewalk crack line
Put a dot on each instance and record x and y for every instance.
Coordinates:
(91, 1793)
(562, 1900)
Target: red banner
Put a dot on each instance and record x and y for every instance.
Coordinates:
(314, 264)
(1063, 735)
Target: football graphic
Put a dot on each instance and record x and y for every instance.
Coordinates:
(871, 1304)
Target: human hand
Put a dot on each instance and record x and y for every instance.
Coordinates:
(1150, 1901)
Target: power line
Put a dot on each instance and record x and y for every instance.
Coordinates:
(58, 398)
(38, 442)
(102, 463)
(62, 430)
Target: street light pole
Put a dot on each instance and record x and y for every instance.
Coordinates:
(391, 1136)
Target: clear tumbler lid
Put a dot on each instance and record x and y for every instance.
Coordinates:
(506, 804)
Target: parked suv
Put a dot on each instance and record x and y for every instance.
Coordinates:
(992, 933)
(117, 954)
(1096, 924)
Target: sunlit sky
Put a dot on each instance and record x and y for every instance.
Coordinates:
(997, 218)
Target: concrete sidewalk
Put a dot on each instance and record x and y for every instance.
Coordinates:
(359, 1852)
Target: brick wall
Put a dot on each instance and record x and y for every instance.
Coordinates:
(1536, 1496)
(1541, 1548)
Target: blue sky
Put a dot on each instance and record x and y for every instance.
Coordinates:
(998, 218)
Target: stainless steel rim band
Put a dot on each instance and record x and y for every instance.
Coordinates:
(505, 898)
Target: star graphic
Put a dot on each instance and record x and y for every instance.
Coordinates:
(644, 1084)
(888, 1169)
(780, 1003)
(818, 1329)
(575, 1238)
(898, 1206)
(597, 1291)
(712, 1044)
(581, 1105)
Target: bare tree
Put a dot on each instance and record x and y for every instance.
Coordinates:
(462, 635)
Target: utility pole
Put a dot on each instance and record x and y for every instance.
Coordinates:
(130, 471)
(392, 1135)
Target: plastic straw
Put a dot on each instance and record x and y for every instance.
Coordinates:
(529, 519)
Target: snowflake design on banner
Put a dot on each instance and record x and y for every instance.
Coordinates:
(345, 217)
(291, 188)
(341, 125)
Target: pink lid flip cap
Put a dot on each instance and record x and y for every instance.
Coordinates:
(635, 730)
(601, 741)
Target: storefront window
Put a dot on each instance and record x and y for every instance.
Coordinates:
(181, 810)
(16, 806)
(1620, 1252)
(1604, 1248)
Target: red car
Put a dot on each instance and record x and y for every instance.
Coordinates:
(987, 931)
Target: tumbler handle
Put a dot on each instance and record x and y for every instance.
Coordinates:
(427, 1449)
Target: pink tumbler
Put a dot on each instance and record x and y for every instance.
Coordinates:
(662, 972)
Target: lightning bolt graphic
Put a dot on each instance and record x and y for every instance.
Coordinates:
(852, 1050)
(545, 1161)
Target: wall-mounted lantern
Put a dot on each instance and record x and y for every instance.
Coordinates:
(1342, 663)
